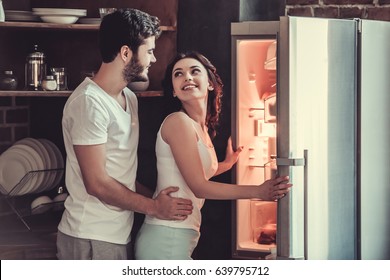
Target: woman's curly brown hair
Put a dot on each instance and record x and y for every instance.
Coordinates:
(214, 97)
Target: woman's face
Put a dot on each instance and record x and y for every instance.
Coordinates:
(190, 79)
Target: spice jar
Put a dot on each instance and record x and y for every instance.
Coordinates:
(8, 81)
(49, 83)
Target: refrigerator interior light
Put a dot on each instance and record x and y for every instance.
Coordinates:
(270, 63)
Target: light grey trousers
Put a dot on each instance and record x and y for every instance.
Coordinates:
(157, 242)
(72, 248)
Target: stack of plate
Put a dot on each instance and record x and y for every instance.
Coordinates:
(58, 15)
(24, 158)
(11, 15)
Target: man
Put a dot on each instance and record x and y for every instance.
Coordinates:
(100, 127)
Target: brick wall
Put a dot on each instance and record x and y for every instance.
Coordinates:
(365, 9)
(14, 121)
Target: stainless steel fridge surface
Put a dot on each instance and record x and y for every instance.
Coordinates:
(374, 191)
(297, 104)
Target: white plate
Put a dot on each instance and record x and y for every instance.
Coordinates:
(59, 11)
(44, 154)
(13, 167)
(14, 15)
(37, 164)
(59, 19)
(53, 163)
(17, 12)
(59, 161)
(29, 183)
(22, 18)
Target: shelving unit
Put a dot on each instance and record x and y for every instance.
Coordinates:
(70, 27)
(21, 93)
(76, 26)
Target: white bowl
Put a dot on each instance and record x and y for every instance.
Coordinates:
(138, 86)
(59, 201)
(59, 19)
(41, 204)
(60, 197)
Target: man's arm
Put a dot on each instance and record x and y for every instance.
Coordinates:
(92, 161)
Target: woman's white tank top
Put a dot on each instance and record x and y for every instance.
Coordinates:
(169, 175)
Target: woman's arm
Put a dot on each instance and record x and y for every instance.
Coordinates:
(179, 133)
(231, 158)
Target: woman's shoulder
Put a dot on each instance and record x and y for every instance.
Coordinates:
(176, 122)
(177, 117)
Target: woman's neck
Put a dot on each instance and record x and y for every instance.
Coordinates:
(197, 111)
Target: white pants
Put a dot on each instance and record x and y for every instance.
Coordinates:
(155, 242)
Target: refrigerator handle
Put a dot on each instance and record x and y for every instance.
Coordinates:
(305, 206)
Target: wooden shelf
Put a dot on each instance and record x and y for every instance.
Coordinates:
(76, 26)
(151, 93)
(19, 93)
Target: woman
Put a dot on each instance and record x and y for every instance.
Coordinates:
(186, 158)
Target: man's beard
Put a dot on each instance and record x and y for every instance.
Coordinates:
(133, 71)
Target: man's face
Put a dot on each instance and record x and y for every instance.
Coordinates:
(137, 69)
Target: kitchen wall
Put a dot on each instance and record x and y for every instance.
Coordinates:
(14, 121)
(365, 9)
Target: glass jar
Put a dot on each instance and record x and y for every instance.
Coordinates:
(35, 69)
(8, 81)
(49, 83)
(61, 77)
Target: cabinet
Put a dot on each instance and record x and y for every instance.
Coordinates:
(74, 46)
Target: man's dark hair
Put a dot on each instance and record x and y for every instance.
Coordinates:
(128, 27)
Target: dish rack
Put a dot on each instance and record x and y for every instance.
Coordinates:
(22, 212)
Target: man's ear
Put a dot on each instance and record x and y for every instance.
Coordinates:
(126, 53)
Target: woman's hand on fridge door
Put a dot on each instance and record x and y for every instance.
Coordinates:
(231, 157)
(275, 189)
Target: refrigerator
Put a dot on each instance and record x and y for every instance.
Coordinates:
(310, 100)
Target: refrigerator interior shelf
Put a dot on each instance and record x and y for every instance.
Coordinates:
(256, 247)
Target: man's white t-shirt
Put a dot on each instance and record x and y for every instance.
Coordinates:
(92, 117)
